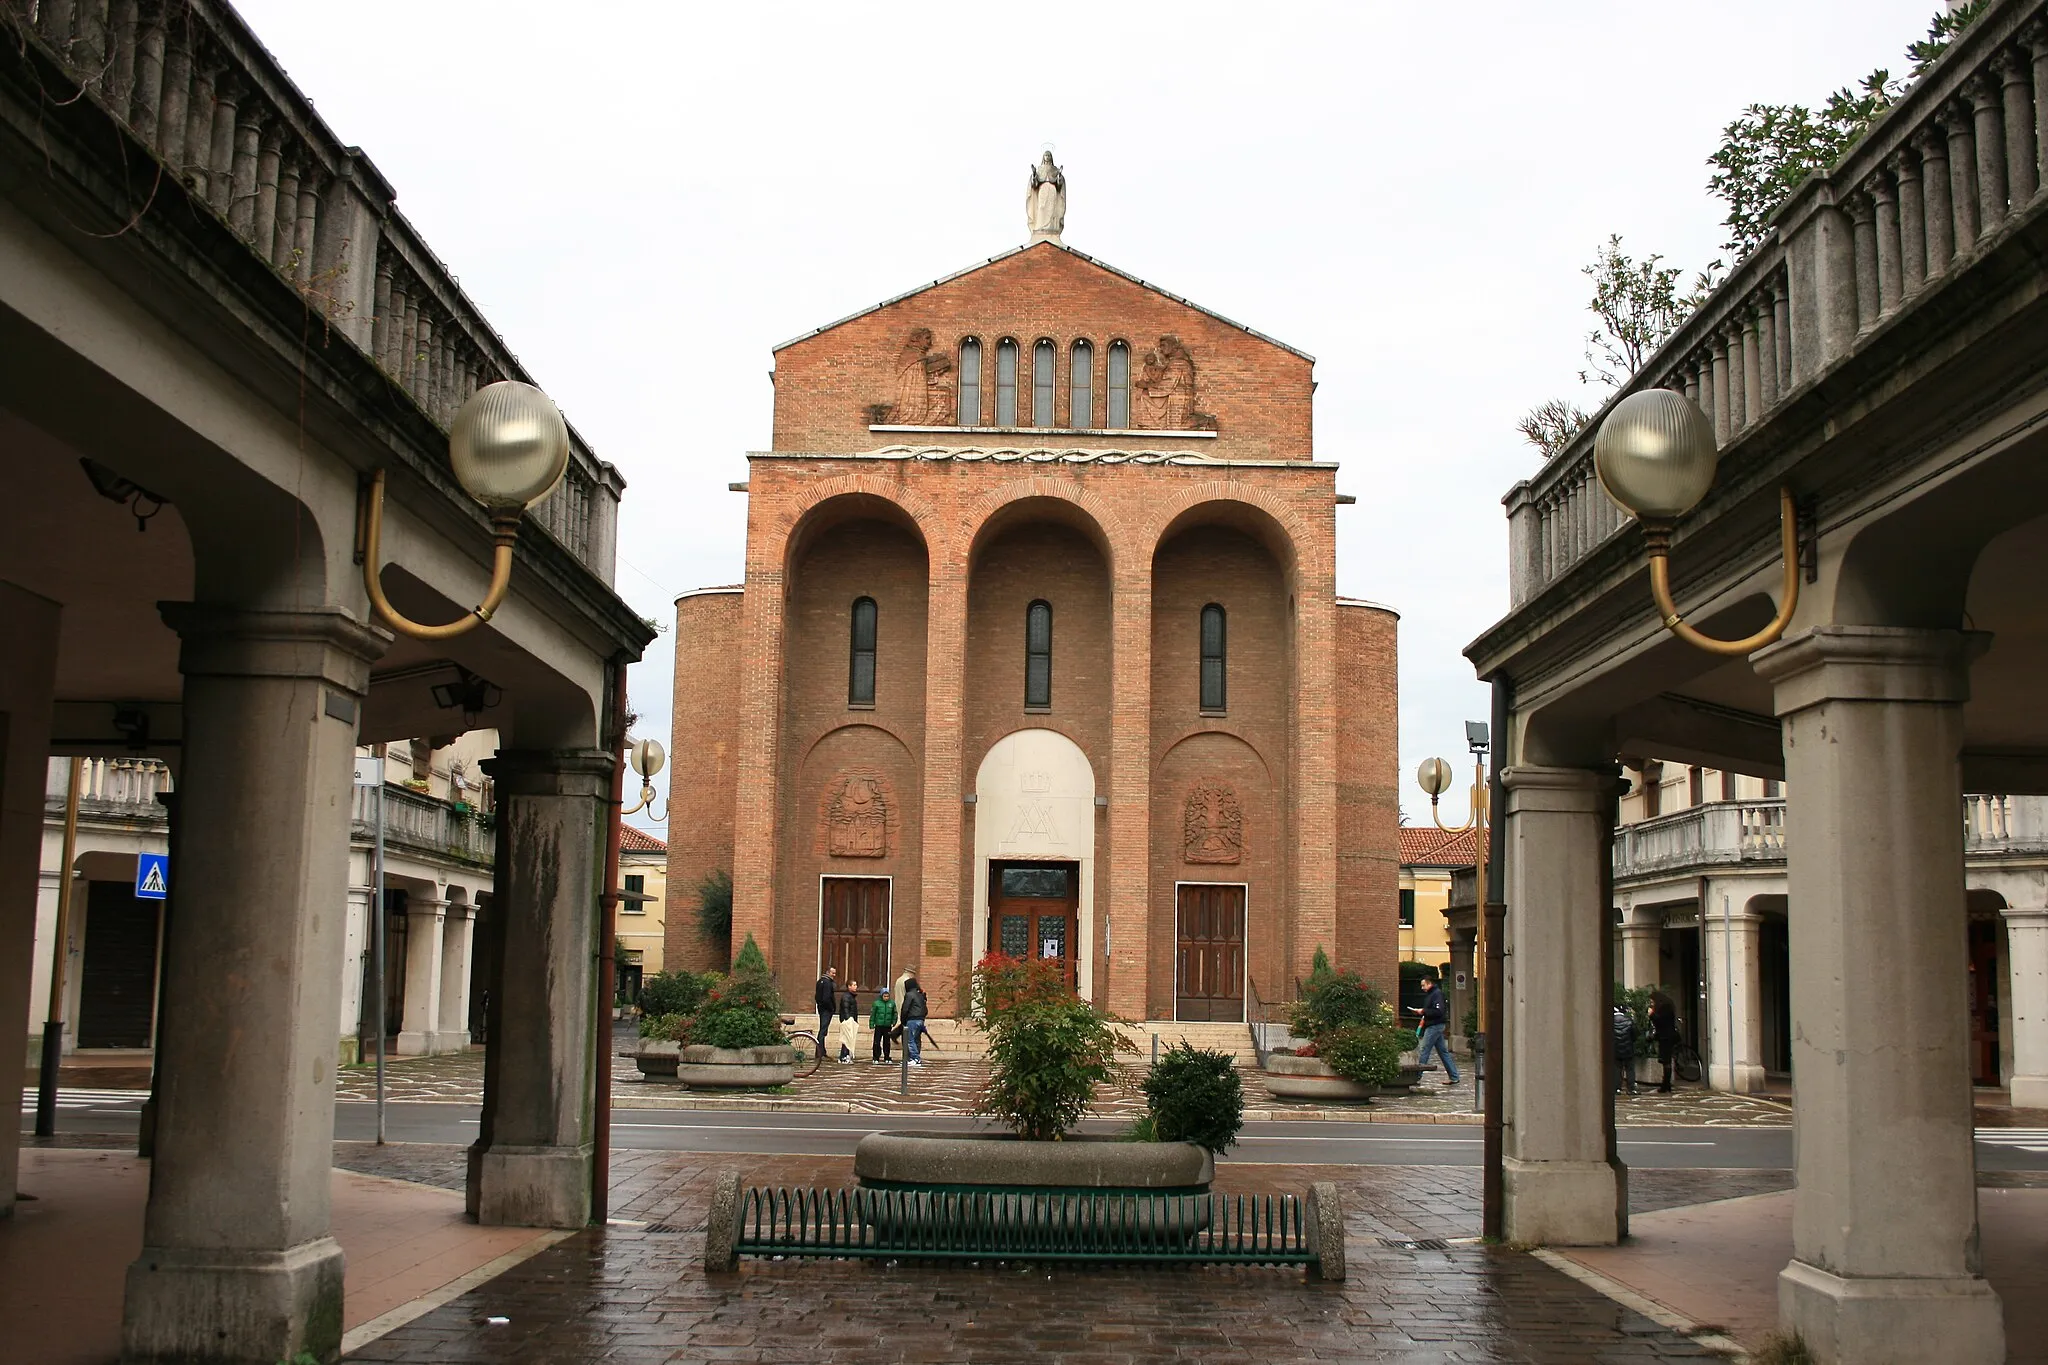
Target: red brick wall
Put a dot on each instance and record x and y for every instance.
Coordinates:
(703, 767)
(828, 385)
(1368, 795)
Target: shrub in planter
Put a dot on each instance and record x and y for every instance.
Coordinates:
(1047, 1049)
(1369, 1054)
(1194, 1095)
(1333, 1000)
(744, 1010)
(666, 1028)
(674, 992)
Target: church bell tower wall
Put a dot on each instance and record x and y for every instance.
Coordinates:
(1368, 794)
(702, 778)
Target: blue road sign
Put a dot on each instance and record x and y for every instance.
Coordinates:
(152, 876)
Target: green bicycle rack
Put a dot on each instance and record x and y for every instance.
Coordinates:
(1019, 1225)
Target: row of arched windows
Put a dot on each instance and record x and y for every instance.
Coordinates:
(1044, 376)
(860, 668)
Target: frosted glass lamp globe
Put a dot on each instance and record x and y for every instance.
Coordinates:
(1434, 775)
(1655, 455)
(509, 445)
(648, 757)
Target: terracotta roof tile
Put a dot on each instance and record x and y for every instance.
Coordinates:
(633, 840)
(1432, 847)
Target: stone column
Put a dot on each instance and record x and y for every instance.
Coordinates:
(1884, 1233)
(2026, 937)
(1562, 1187)
(1642, 944)
(1730, 944)
(1121, 896)
(424, 917)
(531, 1163)
(236, 1261)
(1463, 987)
(458, 940)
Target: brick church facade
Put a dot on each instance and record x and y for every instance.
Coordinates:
(1039, 650)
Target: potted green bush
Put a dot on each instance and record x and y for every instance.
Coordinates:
(731, 1037)
(1047, 1052)
(1355, 1047)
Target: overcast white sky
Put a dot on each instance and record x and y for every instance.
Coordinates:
(644, 198)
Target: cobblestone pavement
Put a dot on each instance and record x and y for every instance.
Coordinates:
(639, 1293)
(949, 1087)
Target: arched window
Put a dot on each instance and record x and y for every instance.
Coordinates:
(1041, 384)
(1006, 383)
(970, 383)
(1119, 386)
(1212, 658)
(1038, 655)
(1081, 387)
(860, 668)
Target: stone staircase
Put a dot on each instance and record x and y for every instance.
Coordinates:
(954, 1040)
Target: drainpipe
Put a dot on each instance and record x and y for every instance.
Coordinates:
(60, 949)
(1492, 1198)
(607, 966)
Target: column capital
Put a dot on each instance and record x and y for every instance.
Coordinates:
(1870, 663)
(2025, 916)
(236, 642)
(1562, 790)
(552, 772)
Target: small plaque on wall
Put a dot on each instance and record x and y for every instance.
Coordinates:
(938, 947)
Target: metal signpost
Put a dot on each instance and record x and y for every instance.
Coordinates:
(370, 773)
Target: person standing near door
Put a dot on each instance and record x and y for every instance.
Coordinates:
(1664, 1024)
(882, 1024)
(849, 1021)
(914, 1007)
(827, 998)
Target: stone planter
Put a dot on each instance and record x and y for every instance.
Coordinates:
(1313, 1079)
(725, 1068)
(657, 1059)
(1411, 1076)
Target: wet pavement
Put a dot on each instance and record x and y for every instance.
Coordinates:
(637, 1291)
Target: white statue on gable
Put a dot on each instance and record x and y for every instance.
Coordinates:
(1045, 202)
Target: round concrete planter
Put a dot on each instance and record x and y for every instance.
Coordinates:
(1000, 1160)
(725, 1068)
(1313, 1079)
(657, 1058)
(1411, 1076)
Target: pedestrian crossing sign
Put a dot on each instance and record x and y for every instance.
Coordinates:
(152, 876)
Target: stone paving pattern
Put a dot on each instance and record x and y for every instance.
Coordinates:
(949, 1087)
(640, 1293)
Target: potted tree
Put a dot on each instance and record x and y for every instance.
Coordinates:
(1047, 1053)
(667, 1000)
(1354, 1049)
(732, 1039)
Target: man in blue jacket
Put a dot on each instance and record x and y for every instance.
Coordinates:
(1435, 1014)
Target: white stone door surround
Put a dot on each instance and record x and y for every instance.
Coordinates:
(1034, 798)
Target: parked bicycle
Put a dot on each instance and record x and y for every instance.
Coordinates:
(1686, 1062)
(807, 1057)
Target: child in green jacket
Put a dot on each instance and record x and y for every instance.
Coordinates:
(882, 1024)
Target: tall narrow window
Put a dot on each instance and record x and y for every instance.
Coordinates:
(1212, 659)
(1042, 361)
(860, 670)
(1773, 789)
(1696, 786)
(1038, 655)
(1727, 785)
(1081, 387)
(970, 383)
(1006, 383)
(1119, 386)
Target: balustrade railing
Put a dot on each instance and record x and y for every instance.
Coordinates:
(1960, 157)
(118, 787)
(424, 824)
(1719, 832)
(2005, 824)
(198, 93)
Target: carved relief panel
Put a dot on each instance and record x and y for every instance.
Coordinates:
(857, 817)
(1212, 824)
(924, 386)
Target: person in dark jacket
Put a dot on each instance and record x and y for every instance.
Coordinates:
(914, 1007)
(1435, 1014)
(827, 996)
(1664, 1023)
(1624, 1049)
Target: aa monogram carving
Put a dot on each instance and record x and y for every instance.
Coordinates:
(857, 817)
(1212, 826)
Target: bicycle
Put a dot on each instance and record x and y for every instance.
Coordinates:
(807, 1058)
(1686, 1062)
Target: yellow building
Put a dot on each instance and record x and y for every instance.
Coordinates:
(643, 873)
(1428, 858)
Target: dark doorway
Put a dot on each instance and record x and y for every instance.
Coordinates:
(853, 920)
(1984, 1002)
(117, 984)
(1208, 964)
(1034, 912)
(394, 973)
(1774, 958)
(1680, 969)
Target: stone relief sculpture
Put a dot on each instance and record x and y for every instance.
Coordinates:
(1212, 824)
(857, 819)
(924, 386)
(1045, 201)
(1165, 397)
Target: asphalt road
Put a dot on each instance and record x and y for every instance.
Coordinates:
(1338, 1143)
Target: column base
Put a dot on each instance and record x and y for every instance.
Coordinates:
(413, 1045)
(205, 1304)
(1747, 1080)
(1879, 1321)
(1564, 1203)
(2030, 1092)
(530, 1187)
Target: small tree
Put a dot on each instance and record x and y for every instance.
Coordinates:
(744, 1010)
(750, 960)
(714, 906)
(1047, 1048)
(1195, 1096)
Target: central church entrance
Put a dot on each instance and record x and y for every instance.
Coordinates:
(1032, 910)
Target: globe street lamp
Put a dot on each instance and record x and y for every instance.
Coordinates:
(509, 447)
(1655, 457)
(647, 757)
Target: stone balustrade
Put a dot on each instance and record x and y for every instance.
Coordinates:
(1719, 833)
(1939, 180)
(198, 93)
(423, 824)
(111, 788)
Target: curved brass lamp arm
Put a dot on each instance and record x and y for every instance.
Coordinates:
(1448, 829)
(645, 803)
(1659, 538)
(504, 530)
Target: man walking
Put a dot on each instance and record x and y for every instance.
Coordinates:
(914, 1008)
(1434, 1012)
(827, 996)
